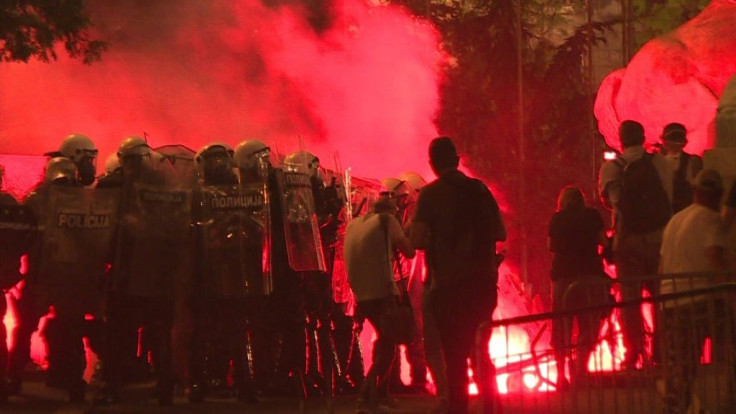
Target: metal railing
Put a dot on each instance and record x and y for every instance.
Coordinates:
(688, 364)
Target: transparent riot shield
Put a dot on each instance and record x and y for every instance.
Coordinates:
(77, 239)
(181, 159)
(231, 234)
(17, 225)
(155, 232)
(303, 244)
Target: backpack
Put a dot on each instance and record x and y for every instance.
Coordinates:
(643, 205)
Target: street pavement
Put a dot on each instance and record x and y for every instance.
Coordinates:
(36, 397)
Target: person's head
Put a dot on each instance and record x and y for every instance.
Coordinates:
(82, 151)
(674, 138)
(570, 197)
(384, 204)
(397, 189)
(708, 188)
(215, 163)
(249, 155)
(443, 155)
(631, 134)
(61, 171)
(134, 154)
(412, 179)
(306, 160)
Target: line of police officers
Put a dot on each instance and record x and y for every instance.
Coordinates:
(234, 260)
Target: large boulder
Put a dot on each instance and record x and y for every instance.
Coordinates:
(677, 77)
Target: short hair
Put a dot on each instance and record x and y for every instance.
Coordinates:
(674, 132)
(442, 153)
(570, 197)
(631, 133)
(384, 204)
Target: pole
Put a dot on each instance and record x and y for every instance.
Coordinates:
(591, 103)
(522, 146)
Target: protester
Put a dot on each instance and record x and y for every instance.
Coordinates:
(693, 247)
(637, 187)
(575, 233)
(457, 221)
(369, 243)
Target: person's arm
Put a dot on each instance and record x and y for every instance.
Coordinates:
(609, 184)
(418, 228)
(694, 165)
(418, 234)
(398, 238)
(728, 212)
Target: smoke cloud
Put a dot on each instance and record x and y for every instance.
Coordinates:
(355, 79)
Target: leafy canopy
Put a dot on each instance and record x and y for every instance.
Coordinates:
(32, 29)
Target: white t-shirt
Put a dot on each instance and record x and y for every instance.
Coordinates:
(684, 242)
(367, 253)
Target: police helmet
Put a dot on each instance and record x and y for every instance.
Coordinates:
(246, 153)
(413, 179)
(133, 145)
(112, 163)
(60, 170)
(78, 146)
(213, 148)
(304, 159)
(390, 185)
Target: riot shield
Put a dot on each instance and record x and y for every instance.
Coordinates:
(232, 234)
(181, 159)
(79, 227)
(155, 231)
(17, 225)
(303, 243)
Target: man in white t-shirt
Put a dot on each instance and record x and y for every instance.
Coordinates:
(369, 244)
(692, 255)
(694, 239)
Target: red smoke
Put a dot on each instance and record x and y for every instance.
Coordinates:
(192, 72)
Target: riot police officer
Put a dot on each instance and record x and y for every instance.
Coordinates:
(152, 231)
(13, 239)
(317, 285)
(82, 152)
(228, 260)
(282, 360)
(78, 228)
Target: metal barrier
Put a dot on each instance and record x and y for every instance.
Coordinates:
(689, 366)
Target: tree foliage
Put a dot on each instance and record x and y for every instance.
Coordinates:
(655, 18)
(33, 28)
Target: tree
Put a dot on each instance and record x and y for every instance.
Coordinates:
(481, 104)
(655, 18)
(33, 28)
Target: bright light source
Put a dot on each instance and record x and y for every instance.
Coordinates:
(609, 155)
